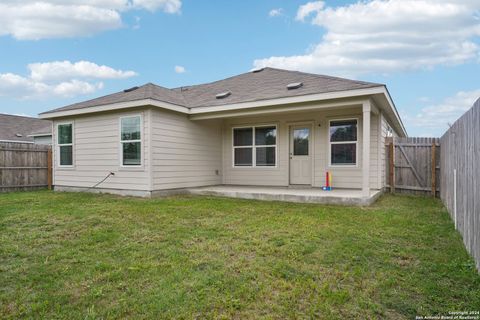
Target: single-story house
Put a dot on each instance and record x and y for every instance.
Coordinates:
(264, 128)
(23, 129)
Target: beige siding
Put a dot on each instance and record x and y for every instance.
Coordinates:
(42, 140)
(97, 152)
(343, 177)
(179, 152)
(185, 153)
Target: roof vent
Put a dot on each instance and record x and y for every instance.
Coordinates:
(223, 95)
(130, 90)
(256, 70)
(294, 85)
(19, 135)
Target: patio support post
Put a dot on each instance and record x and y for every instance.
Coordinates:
(366, 108)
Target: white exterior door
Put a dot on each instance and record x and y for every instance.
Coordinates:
(301, 154)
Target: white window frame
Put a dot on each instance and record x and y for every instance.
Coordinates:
(129, 141)
(254, 146)
(346, 165)
(58, 144)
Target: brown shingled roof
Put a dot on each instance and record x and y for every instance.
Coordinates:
(17, 128)
(268, 83)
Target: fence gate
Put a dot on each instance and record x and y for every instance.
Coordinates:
(25, 166)
(413, 165)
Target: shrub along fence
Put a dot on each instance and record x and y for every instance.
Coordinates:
(413, 165)
(25, 166)
(460, 177)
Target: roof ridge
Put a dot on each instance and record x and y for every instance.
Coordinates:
(285, 71)
(151, 84)
(326, 76)
(148, 90)
(19, 116)
(212, 82)
(180, 93)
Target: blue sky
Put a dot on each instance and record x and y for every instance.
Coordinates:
(55, 52)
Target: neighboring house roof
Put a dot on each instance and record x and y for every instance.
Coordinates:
(269, 83)
(22, 129)
(263, 87)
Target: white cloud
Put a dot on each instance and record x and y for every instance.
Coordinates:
(434, 119)
(60, 70)
(168, 6)
(34, 21)
(42, 19)
(383, 36)
(309, 8)
(63, 79)
(275, 12)
(180, 69)
(26, 88)
(75, 87)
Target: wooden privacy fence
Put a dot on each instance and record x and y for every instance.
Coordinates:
(25, 166)
(413, 165)
(460, 177)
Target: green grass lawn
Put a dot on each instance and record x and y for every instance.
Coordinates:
(83, 256)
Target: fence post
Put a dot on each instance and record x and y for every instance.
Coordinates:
(434, 170)
(49, 170)
(391, 152)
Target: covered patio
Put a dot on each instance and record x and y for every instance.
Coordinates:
(291, 194)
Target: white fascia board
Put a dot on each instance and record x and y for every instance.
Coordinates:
(115, 106)
(17, 141)
(39, 135)
(394, 109)
(279, 109)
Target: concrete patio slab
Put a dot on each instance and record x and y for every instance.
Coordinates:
(291, 194)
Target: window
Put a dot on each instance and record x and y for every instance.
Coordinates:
(300, 141)
(131, 140)
(343, 142)
(255, 146)
(65, 144)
